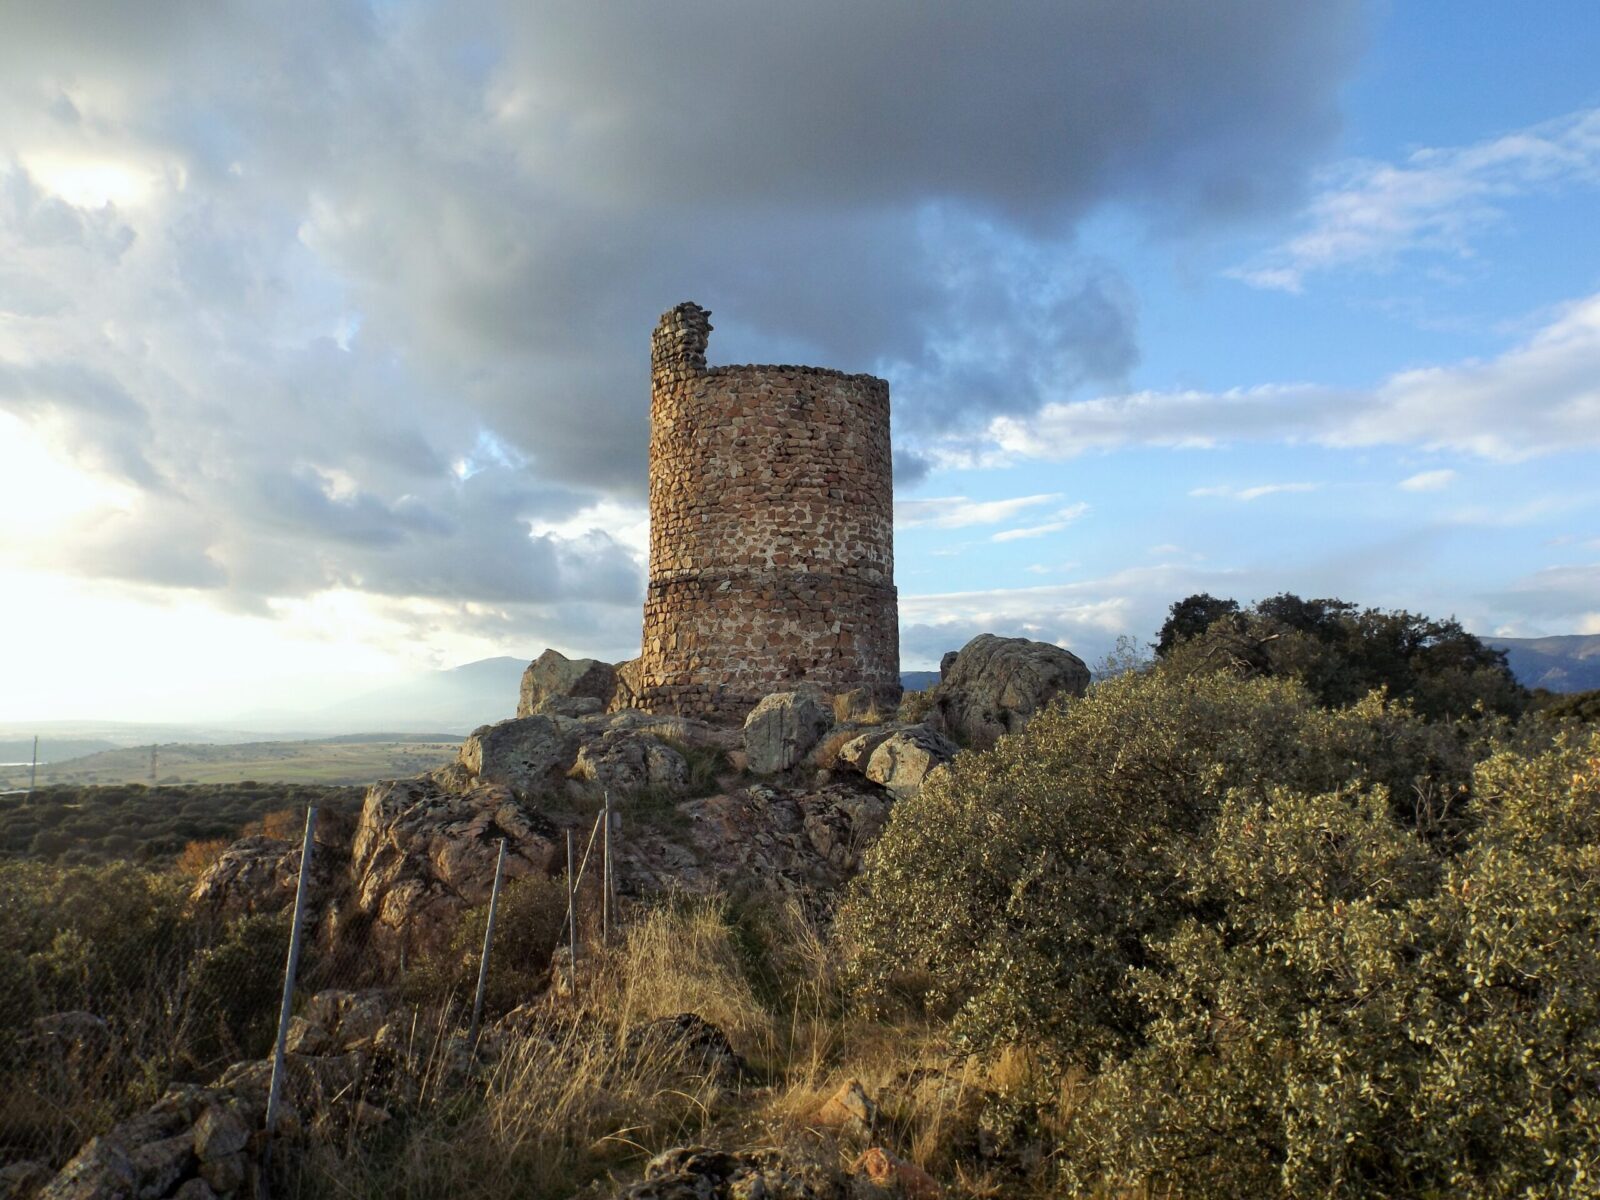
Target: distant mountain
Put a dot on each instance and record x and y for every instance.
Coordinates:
(1568, 663)
(457, 700)
(51, 749)
(916, 681)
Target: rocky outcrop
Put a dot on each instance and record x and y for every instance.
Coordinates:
(621, 761)
(629, 681)
(690, 1044)
(857, 752)
(701, 1173)
(903, 761)
(553, 681)
(259, 875)
(789, 841)
(783, 727)
(198, 1142)
(996, 684)
(529, 755)
(423, 855)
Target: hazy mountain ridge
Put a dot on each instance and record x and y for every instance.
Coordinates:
(1563, 663)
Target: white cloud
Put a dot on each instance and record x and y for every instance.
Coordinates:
(1428, 481)
(1539, 397)
(1064, 517)
(1253, 493)
(1369, 213)
(958, 512)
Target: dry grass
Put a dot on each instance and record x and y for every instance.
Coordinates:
(826, 754)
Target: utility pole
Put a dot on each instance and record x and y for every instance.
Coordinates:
(33, 771)
(152, 766)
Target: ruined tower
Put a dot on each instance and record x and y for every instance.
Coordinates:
(771, 530)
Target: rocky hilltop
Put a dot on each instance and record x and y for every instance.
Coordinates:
(785, 805)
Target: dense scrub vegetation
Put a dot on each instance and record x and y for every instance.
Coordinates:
(1340, 652)
(152, 825)
(1309, 905)
(1283, 948)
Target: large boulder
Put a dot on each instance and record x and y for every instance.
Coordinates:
(259, 875)
(857, 752)
(996, 684)
(553, 678)
(529, 755)
(903, 761)
(629, 685)
(782, 728)
(423, 855)
(625, 762)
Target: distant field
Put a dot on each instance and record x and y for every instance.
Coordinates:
(333, 761)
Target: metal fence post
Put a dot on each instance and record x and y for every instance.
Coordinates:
(488, 937)
(572, 923)
(275, 1090)
(605, 877)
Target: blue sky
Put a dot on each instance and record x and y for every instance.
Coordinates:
(323, 337)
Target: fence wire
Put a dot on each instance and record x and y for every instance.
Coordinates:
(117, 980)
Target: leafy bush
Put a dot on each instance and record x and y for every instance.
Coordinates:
(1341, 652)
(1300, 951)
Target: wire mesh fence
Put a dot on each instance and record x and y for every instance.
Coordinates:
(118, 982)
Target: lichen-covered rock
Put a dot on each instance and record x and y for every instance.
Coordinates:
(22, 1180)
(849, 1110)
(903, 761)
(701, 1173)
(529, 755)
(686, 1042)
(422, 856)
(553, 677)
(628, 682)
(629, 763)
(259, 875)
(143, 1156)
(783, 727)
(857, 752)
(996, 684)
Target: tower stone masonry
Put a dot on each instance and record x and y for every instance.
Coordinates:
(771, 530)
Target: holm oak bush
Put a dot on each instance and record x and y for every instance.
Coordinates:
(1292, 950)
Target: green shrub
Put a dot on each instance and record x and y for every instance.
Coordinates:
(1025, 884)
(1298, 951)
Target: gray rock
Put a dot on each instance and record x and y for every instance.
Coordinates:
(195, 1189)
(628, 685)
(529, 755)
(219, 1132)
(996, 684)
(903, 761)
(225, 1175)
(423, 855)
(856, 753)
(555, 677)
(702, 1173)
(127, 1159)
(22, 1180)
(782, 728)
(629, 763)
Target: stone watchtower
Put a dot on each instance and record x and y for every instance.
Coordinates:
(771, 530)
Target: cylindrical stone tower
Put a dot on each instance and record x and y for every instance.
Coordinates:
(771, 530)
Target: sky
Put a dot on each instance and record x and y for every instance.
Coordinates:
(324, 327)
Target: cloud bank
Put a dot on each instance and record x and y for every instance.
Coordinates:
(356, 297)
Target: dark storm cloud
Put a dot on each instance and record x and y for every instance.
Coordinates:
(365, 239)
